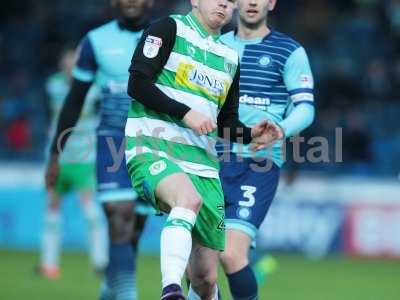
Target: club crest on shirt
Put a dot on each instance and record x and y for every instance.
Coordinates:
(157, 167)
(229, 67)
(192, 51)
(264, 61)
(152, 46)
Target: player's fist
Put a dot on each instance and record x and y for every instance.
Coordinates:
(200, 123)
(52, 171)
(264, 134)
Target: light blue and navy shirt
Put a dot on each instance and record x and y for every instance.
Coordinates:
(276, 83)
(104, 56)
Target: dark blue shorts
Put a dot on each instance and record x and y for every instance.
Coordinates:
(249, 187)
(113, 183)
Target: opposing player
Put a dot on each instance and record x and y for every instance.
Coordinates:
(274, 76)
(104, 57)
(77, 174)
(185, 84)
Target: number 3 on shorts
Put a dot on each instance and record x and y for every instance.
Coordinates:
(248, 194)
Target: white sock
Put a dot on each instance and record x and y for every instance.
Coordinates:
(176, 245)
(51, 239)
(216, 293)
(98, 237)
(192, 295)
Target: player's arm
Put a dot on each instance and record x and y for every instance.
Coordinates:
(83, 76)
(147, 65)
(229, 125)
(150, 56)
(299, 81)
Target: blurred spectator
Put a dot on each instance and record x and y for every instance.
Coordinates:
(357, 154)
(18, 135)
(392, 11)
(376, 81)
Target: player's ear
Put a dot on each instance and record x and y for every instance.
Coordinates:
(271, 5)
(195, 3)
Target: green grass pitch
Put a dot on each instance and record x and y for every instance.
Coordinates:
(295, 279)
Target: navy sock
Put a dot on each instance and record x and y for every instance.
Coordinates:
(243, 284)
(120, 272)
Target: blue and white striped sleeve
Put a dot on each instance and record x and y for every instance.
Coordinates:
(86, 65)
(300, 85)
(298, 77)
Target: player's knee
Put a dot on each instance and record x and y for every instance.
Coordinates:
(204, 280)
(233, 260)
(191, 201)
(120, 221)
(195, 202)
(140, 221)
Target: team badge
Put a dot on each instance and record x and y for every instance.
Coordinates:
(264, 61)
(192, 51)
(152, 46)
(243, 213)
(157, 167)
(229, 67)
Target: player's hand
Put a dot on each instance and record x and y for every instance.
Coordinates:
(52, 171)
(264, 134)
(200, 123)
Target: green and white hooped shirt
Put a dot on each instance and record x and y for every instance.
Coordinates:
(198, 72)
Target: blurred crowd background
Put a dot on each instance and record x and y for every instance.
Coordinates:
(353, 46)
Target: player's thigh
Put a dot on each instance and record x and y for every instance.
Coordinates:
(161, 182)
(121, 208)
(203, 264)
(177, 190)
(63, 186)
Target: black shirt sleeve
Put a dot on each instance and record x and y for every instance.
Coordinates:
(151, 55)
(70, 113)
(229, 125)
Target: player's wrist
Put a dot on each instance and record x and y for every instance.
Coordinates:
(281, 132)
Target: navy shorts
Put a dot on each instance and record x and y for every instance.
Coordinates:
(113, 183)
(249, 187)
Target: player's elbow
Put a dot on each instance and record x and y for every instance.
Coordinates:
(138, 86)
(307, 111)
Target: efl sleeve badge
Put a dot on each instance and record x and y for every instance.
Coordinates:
(152, 46)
